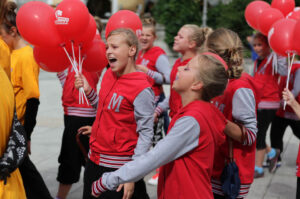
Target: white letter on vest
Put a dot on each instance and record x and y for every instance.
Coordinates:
(114, 101)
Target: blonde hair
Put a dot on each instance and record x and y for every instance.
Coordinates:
(130, 38)
(198, 34)
(213, 76)
(99, 24)
(228, 45)
(149, 22)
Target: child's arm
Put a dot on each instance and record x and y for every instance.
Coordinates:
(282, 65)
(163, 66)
(162, 106)
(80, 81)
(143, 112)
(244, 112)
(62, 76)
(181, 139)
(291, 101)
(296, 86)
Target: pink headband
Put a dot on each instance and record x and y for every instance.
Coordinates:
(218, 58)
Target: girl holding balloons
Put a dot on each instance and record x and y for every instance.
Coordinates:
(24, 78)
(286, 116)
(265, 76)
(123, 128)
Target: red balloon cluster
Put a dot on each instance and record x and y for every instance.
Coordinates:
(280, 21)
(50, 30)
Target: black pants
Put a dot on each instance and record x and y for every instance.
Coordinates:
(264, 118)
(278, 128)
(93, 172)
(34, 184)
(71, 158)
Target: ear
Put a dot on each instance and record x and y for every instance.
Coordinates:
(196, 86)
(192, 44)
(13, 31)
(132, 51)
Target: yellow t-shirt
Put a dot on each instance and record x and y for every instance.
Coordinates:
(24, 78)
(5, 57)
(14, 187)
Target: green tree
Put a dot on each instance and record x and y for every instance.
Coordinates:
(175, 13)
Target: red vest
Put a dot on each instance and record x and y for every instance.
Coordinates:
(243, 155)
(175, 99)
(268, 82)
(149, 59)
(288, 112)
(70, 97)
(189, 176)
(114, 129)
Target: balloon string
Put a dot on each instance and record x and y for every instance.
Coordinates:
(71, 61)
(290, 63)
(82, 94)
(79, 59)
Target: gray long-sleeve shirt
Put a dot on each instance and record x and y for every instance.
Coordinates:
(163, 67)
(244, 111)
(182, 138)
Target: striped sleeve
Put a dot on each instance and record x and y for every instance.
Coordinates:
(244, 112)
(98, 188)
(163, 75)
(93, 98)
(62, 76)
(162, 106)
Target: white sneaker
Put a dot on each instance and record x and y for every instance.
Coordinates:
(153, 180)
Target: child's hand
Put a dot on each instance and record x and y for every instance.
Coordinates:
(142, 68)
(80, 81)
(288, 97)
(85, 130)
(128, 189)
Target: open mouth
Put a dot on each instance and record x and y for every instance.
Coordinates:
(112, 60)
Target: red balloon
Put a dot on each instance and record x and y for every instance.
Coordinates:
(72, 18)
(124, 19)
(296, 39)
(51, 59)
(253, 11)
(95, 57)
(89, 33)
(267, 18)
(35, 24)
(295, 14)
(280, 36)
(285, 6)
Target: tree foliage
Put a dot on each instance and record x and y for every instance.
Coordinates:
(175, 13)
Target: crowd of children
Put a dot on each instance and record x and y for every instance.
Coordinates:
(217, 113)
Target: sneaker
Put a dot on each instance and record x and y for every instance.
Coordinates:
(278, 164)
(258, 175)
(273, 162)
(153, 180)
